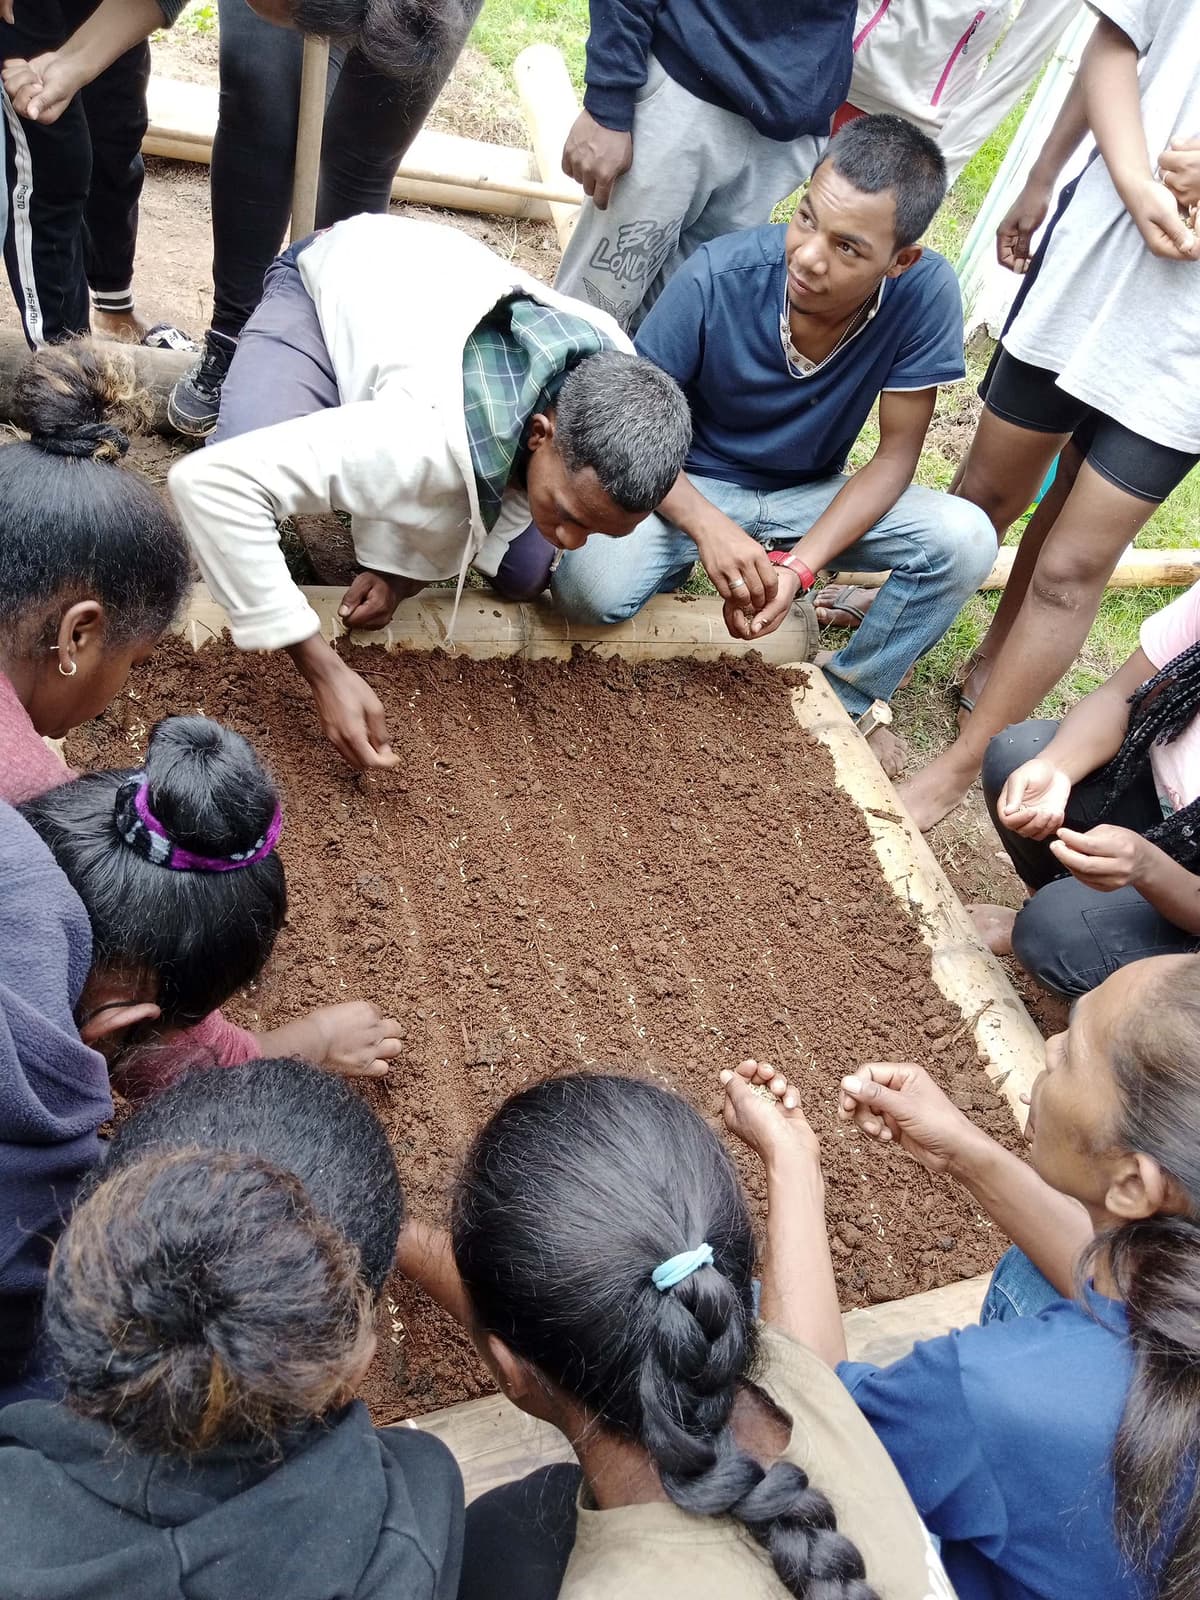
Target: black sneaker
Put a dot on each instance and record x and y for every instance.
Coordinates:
(195, 401)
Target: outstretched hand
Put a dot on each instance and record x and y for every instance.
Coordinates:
(1033, 802)
(353, 721)
(899, 1103)
(763, 1110)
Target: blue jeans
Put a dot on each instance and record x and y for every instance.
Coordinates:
(937, 548)
(1017, 1289)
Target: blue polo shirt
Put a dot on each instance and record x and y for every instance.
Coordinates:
(1003, 1436)
(715, 329)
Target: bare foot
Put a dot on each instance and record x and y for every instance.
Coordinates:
(890, 750)
(840, 605)
(935, 791)
(994, 925)
(125, 326)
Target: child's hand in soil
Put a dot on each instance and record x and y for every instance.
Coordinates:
(899, 1103)
(763, 1110)
(354, 1039)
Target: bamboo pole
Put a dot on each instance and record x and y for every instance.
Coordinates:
(306, 176)
(440, 169)
(550, 107)
(1139, 569)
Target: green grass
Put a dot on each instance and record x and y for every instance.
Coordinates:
(505, 27)
(199, 18)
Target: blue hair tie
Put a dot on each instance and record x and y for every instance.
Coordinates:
(682, 1266)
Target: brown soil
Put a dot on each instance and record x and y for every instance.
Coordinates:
(591, 865)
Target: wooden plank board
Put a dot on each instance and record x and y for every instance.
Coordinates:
(669, 625)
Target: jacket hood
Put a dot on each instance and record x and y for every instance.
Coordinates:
(81, 1515)
(54, 1091)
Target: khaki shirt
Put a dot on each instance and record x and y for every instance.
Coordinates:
(662, 1553)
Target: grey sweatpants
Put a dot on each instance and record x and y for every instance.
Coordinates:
(697, 172)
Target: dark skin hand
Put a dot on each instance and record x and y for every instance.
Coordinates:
(350, 711)
(371, 600)
(596, 157)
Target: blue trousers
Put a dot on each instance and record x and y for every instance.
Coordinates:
(937, 548)
(1017, 1289)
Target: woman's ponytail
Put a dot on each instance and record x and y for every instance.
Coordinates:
(569, 1199)
(196, 1299)
(700, 1348)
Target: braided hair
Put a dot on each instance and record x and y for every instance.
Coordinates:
(1159, 711)
(569, 1198)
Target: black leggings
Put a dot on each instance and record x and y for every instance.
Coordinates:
(1070, 938)
(370, 121)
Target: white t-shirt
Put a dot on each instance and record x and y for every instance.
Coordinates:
(1165, 635)
(1121, 327)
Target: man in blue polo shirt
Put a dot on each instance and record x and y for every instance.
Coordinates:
(783, 338)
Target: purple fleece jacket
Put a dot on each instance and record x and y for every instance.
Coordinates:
(53, 1090)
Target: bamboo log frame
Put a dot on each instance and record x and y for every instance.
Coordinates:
(1138, 569)
(550, 107)
(440, 169)
(493, 1441)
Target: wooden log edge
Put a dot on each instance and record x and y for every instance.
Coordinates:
(1137, 569)
(967, 974)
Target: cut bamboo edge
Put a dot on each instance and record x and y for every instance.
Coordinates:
(440, 169)
(492, 1440)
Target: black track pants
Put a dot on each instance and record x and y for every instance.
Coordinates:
(74, 184)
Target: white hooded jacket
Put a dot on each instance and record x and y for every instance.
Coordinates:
(397, 299)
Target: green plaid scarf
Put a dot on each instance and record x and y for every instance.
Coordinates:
(513, 366)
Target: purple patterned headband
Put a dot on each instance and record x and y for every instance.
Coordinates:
(141, 829)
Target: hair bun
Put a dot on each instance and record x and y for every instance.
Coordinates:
(207, 786)
(80, 399)
(100, 441)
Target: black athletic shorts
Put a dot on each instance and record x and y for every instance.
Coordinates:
(1029, 397)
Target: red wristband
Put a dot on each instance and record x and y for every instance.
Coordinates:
(788, 558)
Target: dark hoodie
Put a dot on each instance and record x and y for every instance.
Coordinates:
(53, 1090)
(348, 1512)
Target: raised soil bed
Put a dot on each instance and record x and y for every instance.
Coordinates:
(643, 868)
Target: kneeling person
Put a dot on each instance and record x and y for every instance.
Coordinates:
(783, 338)
(460, 411)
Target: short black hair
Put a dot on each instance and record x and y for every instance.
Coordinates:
(297, 1118)
(886, 152)
(629, 421)
(415, 43)
(201, 935)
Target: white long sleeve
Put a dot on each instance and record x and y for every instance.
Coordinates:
(367, 458)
